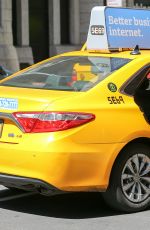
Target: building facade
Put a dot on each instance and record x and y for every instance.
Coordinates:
(31, 31)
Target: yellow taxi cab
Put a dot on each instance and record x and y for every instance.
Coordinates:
(88, 135)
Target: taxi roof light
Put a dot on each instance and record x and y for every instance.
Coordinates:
(118, 28)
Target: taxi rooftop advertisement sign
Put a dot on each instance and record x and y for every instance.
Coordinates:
(113, 28)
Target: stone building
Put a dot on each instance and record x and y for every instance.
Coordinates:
(32, 30)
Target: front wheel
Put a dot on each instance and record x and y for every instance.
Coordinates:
(129, 188)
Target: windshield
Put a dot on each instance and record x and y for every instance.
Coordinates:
(67, 73)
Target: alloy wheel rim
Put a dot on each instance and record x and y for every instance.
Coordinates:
(135, 178)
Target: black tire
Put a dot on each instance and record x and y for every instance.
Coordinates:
(137, 197)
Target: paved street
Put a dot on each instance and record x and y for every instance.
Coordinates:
(67, 212)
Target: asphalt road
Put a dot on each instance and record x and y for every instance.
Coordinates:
(66, 212)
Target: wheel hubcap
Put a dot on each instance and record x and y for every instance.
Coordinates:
(135, 178)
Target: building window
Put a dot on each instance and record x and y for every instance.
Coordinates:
(142, 3)
(14, 22)
(64, 20)
(0, 13)
(38, 29)
(105, 2)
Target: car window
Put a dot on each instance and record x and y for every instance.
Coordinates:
(68, 73)
(135, 81)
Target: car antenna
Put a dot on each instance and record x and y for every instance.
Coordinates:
(135, 51)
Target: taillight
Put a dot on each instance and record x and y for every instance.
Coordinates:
(39, 122)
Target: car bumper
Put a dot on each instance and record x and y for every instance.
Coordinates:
(62, 165)
(28, 184)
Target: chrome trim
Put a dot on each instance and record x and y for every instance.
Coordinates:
(10, 117)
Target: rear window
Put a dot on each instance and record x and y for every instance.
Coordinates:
(67, 73)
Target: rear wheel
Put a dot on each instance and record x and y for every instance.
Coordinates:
(129, 188)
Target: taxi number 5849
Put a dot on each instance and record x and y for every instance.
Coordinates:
(115, 100)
